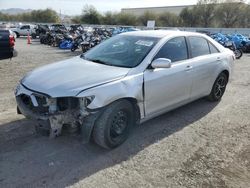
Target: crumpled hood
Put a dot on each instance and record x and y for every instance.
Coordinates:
(69, 77)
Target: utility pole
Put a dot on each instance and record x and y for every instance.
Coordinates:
(60, 16)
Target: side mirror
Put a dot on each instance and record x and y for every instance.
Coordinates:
(161, 63)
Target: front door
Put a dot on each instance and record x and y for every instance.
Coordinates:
(168, 87)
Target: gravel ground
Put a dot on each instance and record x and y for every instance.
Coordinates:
(202, 144)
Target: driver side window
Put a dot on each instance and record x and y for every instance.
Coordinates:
(175, 49)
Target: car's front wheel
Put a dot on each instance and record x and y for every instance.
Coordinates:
(113, 126)
(219, 87)
(17, 35)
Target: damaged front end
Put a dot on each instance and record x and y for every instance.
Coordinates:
(56, 114)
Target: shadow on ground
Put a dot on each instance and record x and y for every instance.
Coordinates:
(68, 52)
(65, 52)
(32, 161)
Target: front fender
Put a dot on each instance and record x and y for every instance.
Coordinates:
(128, 87)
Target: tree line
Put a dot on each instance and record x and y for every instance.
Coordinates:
(39, 16)
(206, 13)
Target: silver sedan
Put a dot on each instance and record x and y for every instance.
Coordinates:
(125, 80)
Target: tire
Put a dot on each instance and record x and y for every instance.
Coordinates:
(17, 35)
(73, 48)
(42, 40)
(114, 124)
(53, 44)
(219, 88)
(84, 49)
(244, 49)
(33, 35)
(238, 53)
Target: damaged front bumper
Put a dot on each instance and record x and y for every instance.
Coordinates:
(56, 113)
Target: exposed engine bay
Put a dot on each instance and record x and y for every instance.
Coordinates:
(53, 114)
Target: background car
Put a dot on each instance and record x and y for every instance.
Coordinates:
(7, 43)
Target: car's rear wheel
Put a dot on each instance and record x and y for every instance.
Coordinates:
(219, 87)
(33, 35)
(113, 126)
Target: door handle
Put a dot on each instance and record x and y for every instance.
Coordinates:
(188, 67)
(218, 59)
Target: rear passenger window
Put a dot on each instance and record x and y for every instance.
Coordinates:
(175, 49)
(213, 49)
(199, 46)
(25, 27)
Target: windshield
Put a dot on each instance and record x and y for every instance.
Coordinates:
(122, 50)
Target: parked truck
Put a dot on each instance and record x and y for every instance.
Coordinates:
(24, 30)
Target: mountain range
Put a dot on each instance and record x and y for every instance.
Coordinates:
(14, 11)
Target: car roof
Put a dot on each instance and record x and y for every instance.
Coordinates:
(161, 33)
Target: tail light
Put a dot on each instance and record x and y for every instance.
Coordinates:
(11, 41)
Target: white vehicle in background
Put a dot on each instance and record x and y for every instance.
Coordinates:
(24, 30)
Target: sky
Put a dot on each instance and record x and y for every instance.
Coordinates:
(74, 7)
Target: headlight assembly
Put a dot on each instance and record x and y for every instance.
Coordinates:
(85, 101)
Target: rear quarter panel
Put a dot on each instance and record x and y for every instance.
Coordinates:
(226, 63)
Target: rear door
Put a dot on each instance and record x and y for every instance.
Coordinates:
(205, 58)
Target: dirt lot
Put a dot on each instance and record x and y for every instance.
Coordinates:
(202, 144)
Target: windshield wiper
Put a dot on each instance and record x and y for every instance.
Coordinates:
(103, 62)
(82, 56)
(95, 60)
(98, 61)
